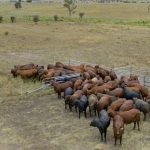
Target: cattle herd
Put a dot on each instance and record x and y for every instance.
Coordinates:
(97, 90)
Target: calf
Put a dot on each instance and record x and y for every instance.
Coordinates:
(102, 123)
(118, 128)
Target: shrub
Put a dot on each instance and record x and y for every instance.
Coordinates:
(18, 5)
(12, 19)
(55, 18)
(36, 19)
(81, 14)
(1, 19)
(6, 33)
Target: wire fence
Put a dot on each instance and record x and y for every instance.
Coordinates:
(143, 74)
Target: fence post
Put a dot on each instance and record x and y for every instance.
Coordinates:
(69, 61)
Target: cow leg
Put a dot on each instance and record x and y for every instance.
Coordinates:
(121, 140)
(60, 95)
(115, 140)
(95, 111)
(90, 111)
(105, 135)
(70, 107)
(101, 134)
(98, 113)
(63, 95)
(79, 114)
(65, 106)
(144, 116)
(76, 109)
(138, 125)
(134, 125)
(66, 103)
(85, 113)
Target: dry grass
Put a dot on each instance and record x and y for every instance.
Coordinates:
(40, 121)
(104, 11)
(109, 45)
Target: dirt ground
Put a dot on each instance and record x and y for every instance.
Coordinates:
(42, 123)
(39, 121)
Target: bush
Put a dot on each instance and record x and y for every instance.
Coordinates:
(1, 19)
(18, 5)
(12, 19)
(36, 19)
(55, 18)
(81, 14)
(6, 33)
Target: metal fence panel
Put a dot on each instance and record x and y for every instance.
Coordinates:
(143, 74)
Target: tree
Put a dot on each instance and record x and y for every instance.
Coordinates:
(70, 5)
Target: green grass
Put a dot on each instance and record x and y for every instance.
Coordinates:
(86, 20)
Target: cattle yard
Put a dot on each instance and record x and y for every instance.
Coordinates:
(39, 120)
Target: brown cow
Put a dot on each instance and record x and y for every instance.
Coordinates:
(60, 87)
(96, 89)
(77, 84)
(118, 92)
(87, 87)
(76, 96)
(117, 104)
(107, 78)
(118, 128)
(129, 116)
(25, 74)
(92, 101)
(25, 67)
(48, 74)
(127, 105)
(50, 66)
(103, 103)
(112, 74)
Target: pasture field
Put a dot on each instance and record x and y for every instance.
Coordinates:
(111, 35)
